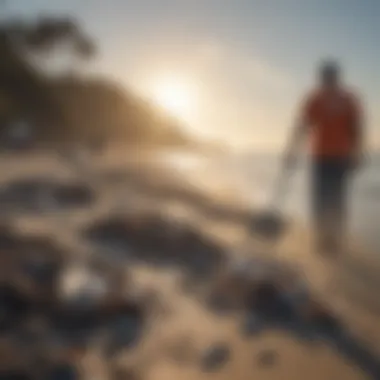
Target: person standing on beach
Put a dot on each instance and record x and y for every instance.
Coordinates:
(331, 116)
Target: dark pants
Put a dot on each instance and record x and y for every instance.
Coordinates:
(330, 180)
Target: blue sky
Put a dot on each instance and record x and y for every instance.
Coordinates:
(248, 62)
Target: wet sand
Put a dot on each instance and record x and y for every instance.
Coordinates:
(182, 327)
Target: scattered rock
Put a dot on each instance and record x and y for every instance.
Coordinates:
(269, 301)
(26, 194)
(252, 325)
(152, 239)
(269, 225)
(264, 296)
(298, 296)
(32, 266)
(74, 195)
(15, 375)
(124, 333)
(109, 231)
(82, 287)
(40, 194)
(14, 307)
(63, 372)
(215, 357)
(229, 290)
(42, 259)
(253, 283)
(92, 306)
(319, 316)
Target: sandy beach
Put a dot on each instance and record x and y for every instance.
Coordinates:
(180, 326)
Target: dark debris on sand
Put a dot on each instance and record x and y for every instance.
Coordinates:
(268, 293)
(38, 195)
(155, 240)
(34, 314)
(215, 357)
(273, 295)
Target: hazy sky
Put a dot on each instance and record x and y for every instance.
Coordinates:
(245, 63)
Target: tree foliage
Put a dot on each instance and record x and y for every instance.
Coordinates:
(69, 107)
(25, 92)
(46, 34)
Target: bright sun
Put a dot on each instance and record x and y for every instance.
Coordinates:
(176, 96)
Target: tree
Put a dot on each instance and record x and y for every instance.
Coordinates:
(46, 34)
(72, 108)
(23, 88)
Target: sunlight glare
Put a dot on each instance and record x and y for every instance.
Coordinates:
(175, 96)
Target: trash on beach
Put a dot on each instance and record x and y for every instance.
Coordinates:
(252, 325)
(81, 287)
(63, 372)
(74, 195)
(14, 307)
(43, 195)
(215, 357)
(89, 301)
(252, 282)
(153, 239)
(268, 224)
(124, 332)
(40, 270)
(319, 315)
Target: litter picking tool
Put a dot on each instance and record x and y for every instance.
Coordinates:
(270, 223)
